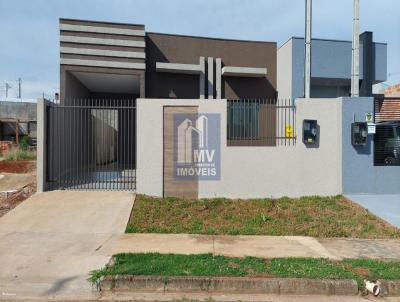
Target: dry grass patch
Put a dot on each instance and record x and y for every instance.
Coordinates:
(307, 216)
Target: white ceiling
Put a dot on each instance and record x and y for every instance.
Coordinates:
(110, 83)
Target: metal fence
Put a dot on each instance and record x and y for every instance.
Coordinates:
(387, 136)
(261, 122)
(91, 144)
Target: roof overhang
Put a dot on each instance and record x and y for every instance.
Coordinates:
(252, 72)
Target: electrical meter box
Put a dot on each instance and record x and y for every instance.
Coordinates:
(310, 132)
(359, 133)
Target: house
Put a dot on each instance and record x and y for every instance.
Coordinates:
(17, 118)
(330, 67)
(171, 115)
(123, 61)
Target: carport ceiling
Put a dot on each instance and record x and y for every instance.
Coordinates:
(109, 83)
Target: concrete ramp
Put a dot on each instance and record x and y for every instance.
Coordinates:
(50, 242)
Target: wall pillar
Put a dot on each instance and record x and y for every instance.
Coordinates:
(218, 78)
(210, 66)
(202, 78)
(41, 145)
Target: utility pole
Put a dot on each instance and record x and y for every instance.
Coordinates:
(7, 87)
(19, 87)
(355, 61)
(307, 45)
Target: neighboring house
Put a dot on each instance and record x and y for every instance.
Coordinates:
(392, 91)
(330, 67)
(123, 61)
(17, 118)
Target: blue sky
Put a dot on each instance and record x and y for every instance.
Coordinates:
(29, 46)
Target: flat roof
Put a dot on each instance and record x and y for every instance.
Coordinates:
(326, 40)
(209, 38)
(97, 21)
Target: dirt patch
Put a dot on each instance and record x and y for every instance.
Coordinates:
(20, 166)
(9, 201)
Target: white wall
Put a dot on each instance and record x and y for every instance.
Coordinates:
(248, 172)
(284, 71)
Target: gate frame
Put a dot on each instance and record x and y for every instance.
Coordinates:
(43, 106)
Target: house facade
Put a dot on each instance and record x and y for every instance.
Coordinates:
(171, 115)
(123, 61)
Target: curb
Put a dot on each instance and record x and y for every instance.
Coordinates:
(389, 288)
(243, 285)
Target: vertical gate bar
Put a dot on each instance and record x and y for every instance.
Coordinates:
(96, 143)
(115, 113)
(60, 127)
(295, 123)
(109, 170)
(86, 144)
(277, 121)
(93, 150)
(80, 161)
(115, 116)
(129, 146)
(50, 143)
(241, 120)
(252, 110)
(76, 145)
(64, 151)
(107, 176)
(78, 140)
(71, 145)
(125, 142)
(126, 137)
(286, 122)
(133, 147)
(103, 176)
(88, 132)
(134, 180)
(80, 145)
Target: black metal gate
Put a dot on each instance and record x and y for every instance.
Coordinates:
(387, 136)
(91, 144)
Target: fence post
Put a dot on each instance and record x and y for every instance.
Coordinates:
(41, 145)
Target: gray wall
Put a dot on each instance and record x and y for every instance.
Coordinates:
(330, 60)
(284, 71)
(359, 173)
(248, 172)
(334, 167)
(18, 110)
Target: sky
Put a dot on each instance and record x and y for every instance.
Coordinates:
(29, 34)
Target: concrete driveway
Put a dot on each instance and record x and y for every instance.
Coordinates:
(50, 242)
(386, 207)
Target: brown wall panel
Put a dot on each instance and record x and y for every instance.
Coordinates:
(184, 49)
(172, 187)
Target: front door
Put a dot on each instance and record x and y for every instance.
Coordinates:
(174, 187)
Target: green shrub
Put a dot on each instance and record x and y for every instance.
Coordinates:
(20, 154)
(24, 142)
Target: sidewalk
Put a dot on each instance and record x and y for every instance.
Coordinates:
(256, 246)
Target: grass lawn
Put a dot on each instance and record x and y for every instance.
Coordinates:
(307, 216)
(209, 265)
